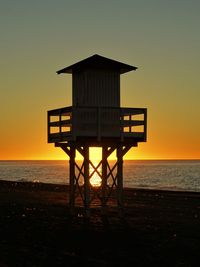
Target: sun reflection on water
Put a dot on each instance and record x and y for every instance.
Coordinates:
(95, 180)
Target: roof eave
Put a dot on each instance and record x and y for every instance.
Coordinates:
(70, 70)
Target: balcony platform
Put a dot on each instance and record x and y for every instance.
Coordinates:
(94, 125)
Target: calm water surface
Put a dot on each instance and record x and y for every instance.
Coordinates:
(159, 174)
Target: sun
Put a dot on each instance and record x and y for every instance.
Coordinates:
(95, 158)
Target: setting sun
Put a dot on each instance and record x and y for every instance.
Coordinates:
(95, 179)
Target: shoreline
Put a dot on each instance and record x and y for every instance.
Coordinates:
(39, 184)
(169, 175)
(159, 227)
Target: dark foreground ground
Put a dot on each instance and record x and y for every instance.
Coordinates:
(159, 228)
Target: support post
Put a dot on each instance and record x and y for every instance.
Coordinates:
(72, 179)
(86, 181)
(108, 175)
(104, 178)
(120, 179)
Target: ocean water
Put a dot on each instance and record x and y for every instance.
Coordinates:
(182, 175)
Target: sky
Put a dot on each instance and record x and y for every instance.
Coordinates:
(161, 38)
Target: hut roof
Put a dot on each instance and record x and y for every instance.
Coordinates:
(98, 62)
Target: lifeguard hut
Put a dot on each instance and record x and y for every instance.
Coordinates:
(96, 119)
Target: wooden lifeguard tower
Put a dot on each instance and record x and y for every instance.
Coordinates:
(96, 119)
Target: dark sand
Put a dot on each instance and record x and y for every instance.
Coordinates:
(159, 228)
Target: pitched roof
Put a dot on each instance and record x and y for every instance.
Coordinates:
(97, 61)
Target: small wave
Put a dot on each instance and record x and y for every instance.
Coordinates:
(36, 181)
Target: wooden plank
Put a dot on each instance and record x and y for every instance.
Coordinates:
(66, 111)
(134, 134)
(57, 137)
(127, 123)
(60, 123)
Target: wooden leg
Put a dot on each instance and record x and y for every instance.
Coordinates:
(86, 182)
(72, 180)
(104, 179)
(120, 179)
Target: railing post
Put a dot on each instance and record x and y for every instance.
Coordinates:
(48, 126)
(145, 124)
(60, 126)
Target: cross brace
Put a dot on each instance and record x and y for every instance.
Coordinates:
(82, 192)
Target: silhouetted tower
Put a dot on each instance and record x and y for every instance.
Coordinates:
(96, 119)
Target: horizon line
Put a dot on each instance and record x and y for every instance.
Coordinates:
(110, 159)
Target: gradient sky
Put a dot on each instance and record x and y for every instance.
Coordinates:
(161, 38)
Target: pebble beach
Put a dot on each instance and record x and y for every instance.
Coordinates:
(159, 228)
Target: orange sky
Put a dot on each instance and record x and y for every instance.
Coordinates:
(161, 39)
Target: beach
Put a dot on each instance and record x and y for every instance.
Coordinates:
(159, 228)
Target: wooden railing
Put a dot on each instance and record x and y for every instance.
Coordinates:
(69, 123)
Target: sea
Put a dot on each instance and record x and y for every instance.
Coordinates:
(174, 175)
